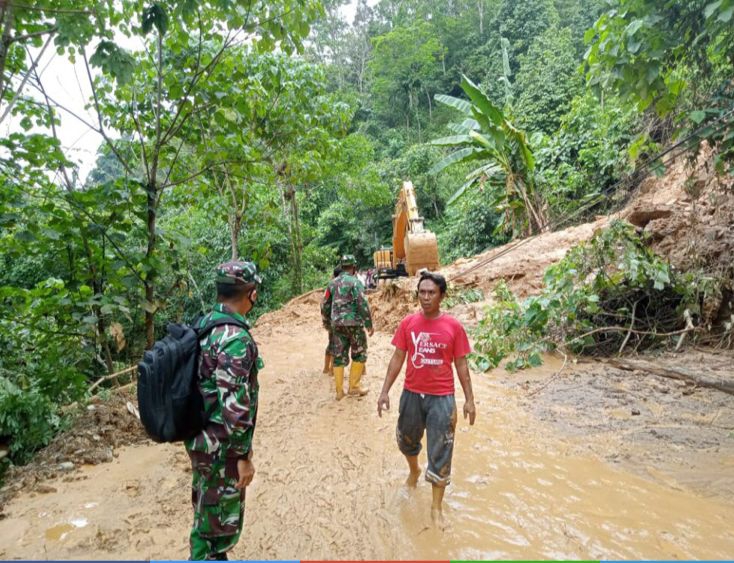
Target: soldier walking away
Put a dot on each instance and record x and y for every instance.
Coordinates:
(345, 306)
(221, 454)
(329, 354)
(433, 340)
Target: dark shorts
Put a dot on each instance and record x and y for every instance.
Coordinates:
(436, 415)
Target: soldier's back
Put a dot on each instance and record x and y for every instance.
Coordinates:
(344, 308)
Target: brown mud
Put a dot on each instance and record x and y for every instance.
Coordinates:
(584, 462)
(547, 472)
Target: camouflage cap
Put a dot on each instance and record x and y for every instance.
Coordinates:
(348, 260)
(237, 271)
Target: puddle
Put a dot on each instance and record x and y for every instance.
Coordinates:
(60, 531)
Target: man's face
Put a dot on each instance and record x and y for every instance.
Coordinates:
(430, 297)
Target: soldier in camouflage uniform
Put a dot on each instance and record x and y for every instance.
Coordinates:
(221, 454)
(345, 308)
(329, 352)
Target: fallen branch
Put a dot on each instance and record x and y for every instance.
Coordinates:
(628, 329)
(111, 376)
(689, 325)
(629, 332)
(700, 377)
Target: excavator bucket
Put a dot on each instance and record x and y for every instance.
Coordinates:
(421, 251)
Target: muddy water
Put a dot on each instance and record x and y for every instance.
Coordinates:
(517, 495)
(329, 485)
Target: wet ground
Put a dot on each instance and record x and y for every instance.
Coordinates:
(555, 467)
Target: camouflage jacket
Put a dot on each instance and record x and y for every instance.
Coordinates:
(345, 304)
(228, 369)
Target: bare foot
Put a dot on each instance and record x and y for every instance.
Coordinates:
(412, 480)
(437, 517)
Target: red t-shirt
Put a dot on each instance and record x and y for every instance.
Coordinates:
(432, 345)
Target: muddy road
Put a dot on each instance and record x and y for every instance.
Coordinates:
(329, 481)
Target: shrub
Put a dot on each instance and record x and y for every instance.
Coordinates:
(607, 295)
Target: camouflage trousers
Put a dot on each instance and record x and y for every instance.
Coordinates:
(346, 337)
(219, 508)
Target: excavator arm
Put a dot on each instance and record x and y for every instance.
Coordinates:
(413, 245)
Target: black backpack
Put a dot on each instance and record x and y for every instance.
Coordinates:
(171, 407)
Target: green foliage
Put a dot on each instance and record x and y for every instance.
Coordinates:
(521, 22)
(28, 419)
(404, 68)
(83, 265)
(587, 155)
(510, 328)
(548, 80)
(461, 296)
(507, 162)
(675, 56)
(606, 294)
(470, 226)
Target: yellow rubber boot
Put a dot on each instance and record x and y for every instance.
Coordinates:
(339, 380)
(355, 376)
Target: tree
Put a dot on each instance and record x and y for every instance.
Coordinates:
(508, 164)
(155, 94)
(405, 65)
(670, 56)
(547, 81)
(521, 22)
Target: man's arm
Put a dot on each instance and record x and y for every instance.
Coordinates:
(393, 370)
(235, 361)
(462, 370)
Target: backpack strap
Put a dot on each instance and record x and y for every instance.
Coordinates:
(206, 329)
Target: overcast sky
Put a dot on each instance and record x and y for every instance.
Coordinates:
(67, 84)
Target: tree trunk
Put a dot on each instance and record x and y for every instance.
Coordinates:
(699, 376)
(430, 106)
(296, 243)
(96, 282)
(360, 74)
(150, 273)
(235, 224)
(480, 5)
(6, 21)
(152, 200)
(417, 118)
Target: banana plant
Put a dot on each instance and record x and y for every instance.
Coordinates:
(506, 163)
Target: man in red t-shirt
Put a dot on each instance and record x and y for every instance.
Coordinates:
(432, 340)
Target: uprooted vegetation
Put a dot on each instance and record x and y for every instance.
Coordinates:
(608, 295)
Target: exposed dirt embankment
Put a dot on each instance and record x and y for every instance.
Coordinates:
(689, 214)
(98, 432)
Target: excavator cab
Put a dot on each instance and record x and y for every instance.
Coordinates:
(414, 248)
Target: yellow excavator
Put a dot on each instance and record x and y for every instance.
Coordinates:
(413, 247)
